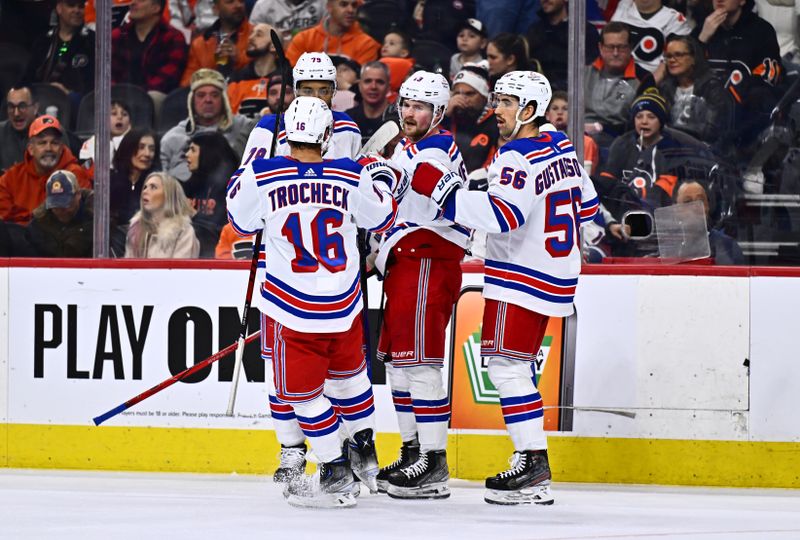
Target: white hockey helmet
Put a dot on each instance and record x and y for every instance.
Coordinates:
(309, 120)
(526, 86)
(314, 66)
(427, 87)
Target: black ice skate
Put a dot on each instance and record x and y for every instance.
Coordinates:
(526, 482)
(409, 453)
(426, 478)
(332, 486)
(363, 458)
(293, 463)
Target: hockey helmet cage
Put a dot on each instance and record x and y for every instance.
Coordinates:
(526, 86)
(309, 120)
(314, 66)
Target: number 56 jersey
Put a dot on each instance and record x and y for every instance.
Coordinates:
(309, 213)
(538, 197)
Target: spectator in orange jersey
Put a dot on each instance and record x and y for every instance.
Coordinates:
(22, 187)
(247, 87)
(223, 46)
(337, 33)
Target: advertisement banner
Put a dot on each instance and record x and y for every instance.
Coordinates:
(475, 401)
(82, 341)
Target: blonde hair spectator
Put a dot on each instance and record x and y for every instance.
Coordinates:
(162, 228)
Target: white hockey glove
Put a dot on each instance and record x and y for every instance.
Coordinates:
(436, 181)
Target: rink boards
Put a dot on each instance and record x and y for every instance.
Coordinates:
(703, 356)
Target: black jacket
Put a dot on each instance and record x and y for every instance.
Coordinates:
(52, 238)
(74, 67)
(549, 45)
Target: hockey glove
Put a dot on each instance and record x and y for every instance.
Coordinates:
(381, 171)
(434, 180)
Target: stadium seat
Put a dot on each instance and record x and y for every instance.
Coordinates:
(50, 96)
(173, 110)
(13, 59)
(378, 17)
(137, 99)
(432, 56)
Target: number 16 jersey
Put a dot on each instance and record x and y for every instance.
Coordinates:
(309, 213)
(538, 197)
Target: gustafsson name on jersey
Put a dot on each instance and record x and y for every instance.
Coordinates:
(557, 170)
(309, 193)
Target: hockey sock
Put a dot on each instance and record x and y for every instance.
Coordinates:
(353, 400)
(431, 406)
(320, 424)
(401, 396)
(520, 401)
(287, 430)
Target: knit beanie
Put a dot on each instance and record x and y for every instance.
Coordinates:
(209, 77)
(651, 100)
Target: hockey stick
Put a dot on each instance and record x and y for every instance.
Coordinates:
(237, 365)
(617, 412)
(380, 138)
(172, 380)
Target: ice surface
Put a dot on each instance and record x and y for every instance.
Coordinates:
(79, 505)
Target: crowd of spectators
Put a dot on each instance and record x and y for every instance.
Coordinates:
(667, 85)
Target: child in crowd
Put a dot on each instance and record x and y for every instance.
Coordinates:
(396, 55)
(558, 114)
(471, 42)
(396, 44)
(120, 125)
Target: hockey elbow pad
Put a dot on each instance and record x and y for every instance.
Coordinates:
(435, 181)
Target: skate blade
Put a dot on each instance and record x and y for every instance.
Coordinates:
(323, 500)
(534, 495)
(383, 486)
(370, 478)
(432, 491)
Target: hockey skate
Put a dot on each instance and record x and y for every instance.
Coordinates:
(526, 482)
(363, 459)
(409, 453)
(293, 463)
(426, 478)
(332, 486)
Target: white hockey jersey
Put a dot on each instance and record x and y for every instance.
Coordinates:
(417, 211)
(648, 35)
(538, 196)
(309, 213)
(346, 141)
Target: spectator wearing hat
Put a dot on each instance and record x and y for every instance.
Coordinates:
(548, 39)
(471, 42)
(337, 33)
(209, 110)
(22, 187)
(643, 159)
(62, 226)
(223, 45)
(274, 93)
(471, 119)
(146, 51)
(22, 109)
(247, 87)
(64, 57)
(374, 109)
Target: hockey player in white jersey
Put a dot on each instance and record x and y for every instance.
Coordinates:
(538, 197)
(421, 261)
(313, 75)
(309, 209)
